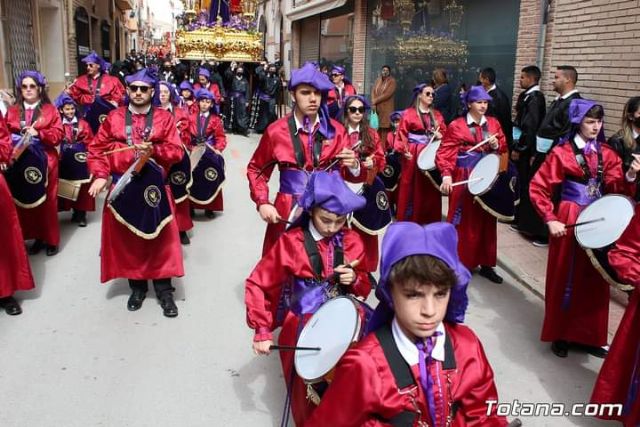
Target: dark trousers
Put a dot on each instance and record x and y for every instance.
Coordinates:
(527, 218)
(266, 115)
(161, 286)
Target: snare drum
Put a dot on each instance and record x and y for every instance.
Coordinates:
(427, 163)
(496, 192)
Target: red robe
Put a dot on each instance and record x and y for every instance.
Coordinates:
(276, 148)
(213, 89)
(215, 128)
(285, 260)
(379, 161)
(15, 272)
(123, 254)
(111, 90)
(617, 372)
(85, 202)
(347, 91)
(41, 222)
(418, 199)
(183, 125)
(364, 388)
(477, 230)
(585, 320)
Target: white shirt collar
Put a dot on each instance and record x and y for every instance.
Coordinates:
(568, 94)
(408, 348)
(69, 122)
(493, 87)
(580, 142)
(205, 114)
(532, 89)
(470, 120)
(30, 106)
(352, 130)
(144, 112)
(299, 124)
(314, 232)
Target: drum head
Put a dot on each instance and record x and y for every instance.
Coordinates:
(616, 211)
(484, 174)
(332, 328)
(427, 157)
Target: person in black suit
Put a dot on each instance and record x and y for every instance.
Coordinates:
(530, 110)
(500, 107)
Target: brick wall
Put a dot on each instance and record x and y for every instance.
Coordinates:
(601, 38)
(359, 43)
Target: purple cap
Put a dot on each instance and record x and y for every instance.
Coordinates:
(329, 191)
(94, 58)
(396, 115)
(578, 108)
(360, 98)
(204, 72)
(475, 94)
(337, 69)
(185, 85)
(40, 79)
(203, 93)
(63, 99)
(311, 76)
(173, 93)
(438, 239)
(145, 75)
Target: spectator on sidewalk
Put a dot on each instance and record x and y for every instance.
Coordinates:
(500, 105)
(443, 89)
(530, 110)
(382, 100)
(626, 141)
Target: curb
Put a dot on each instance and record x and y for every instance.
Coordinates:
(520, 276)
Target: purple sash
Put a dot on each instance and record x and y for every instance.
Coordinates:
(418, 138)
(263, 96)
(307, 295)
(468, 160)
(576, 192)
(293, 181)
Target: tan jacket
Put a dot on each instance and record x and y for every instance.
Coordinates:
(382, 99)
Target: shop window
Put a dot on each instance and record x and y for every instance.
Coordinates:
(81, 21)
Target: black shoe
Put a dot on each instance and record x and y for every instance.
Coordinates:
(600, 352)
(37, 246)
(184, 238)
(51, 250)
(74, 216)
(490, 273)
(560, 348)
(169, 308)
(81, 218)
(209, 214)
(11, 306)
(192, 212)
(136, 299)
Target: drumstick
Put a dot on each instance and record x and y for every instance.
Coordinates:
(291, 347)
(578, 224)
(434, 134)
(480, 144)
(467, 181)
(117, 150)
(285, 221)
(333, 163)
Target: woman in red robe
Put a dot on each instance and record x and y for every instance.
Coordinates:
(576, 295)
(286, 287)
(34, 113)
(76, 131)
(122, 252)
(419, 200)
(371, 159)
(478, 243)
(207, 126)
(619, 378)
(15, 272)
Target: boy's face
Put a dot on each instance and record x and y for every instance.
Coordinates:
(327, 223)
(419, 308)
(69, 111)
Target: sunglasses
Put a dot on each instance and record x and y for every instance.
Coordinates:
(335, 75)
(31, 86)
(429, 94)
(135, 88)
(354, 110)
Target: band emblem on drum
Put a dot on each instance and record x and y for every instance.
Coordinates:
(388, 171)
(102, 118)
(80, 157)
(152, 196)
(32, 175)
(178, 178)
(211, 174)
(382, 201)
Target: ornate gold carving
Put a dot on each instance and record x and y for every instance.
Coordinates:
(220, 44)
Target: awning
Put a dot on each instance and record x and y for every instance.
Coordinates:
(314, 8)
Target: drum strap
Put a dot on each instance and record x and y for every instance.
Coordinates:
(98, 84)
(74, 127)
(128, 124)
(583, 163)
(34, 117)
(203, 129)
(311, 248)
(432, 119)
(297, 145)
(485, 131)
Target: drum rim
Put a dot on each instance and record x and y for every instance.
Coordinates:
(605, 274)
(495, 178)
(437, 142)
(630, 202)
(356, 329)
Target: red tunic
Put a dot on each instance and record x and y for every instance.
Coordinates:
(111, 90)
(617, 372)
(15, 272)
(214, 129)
(585, 320)
(213, 89)
(41, 222)
(276, 148)
(379, 161)
(286, 260)
(123, 254)
(183, 125)
(418, 199)
(85, 202)
(333, 95)
(477, 230)
(364, 389)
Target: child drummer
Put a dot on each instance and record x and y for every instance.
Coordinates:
(310, 263)
(419, 366)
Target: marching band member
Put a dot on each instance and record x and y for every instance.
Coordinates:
(125, 253)
(341, 89)
(179, 177)
(619, 379)
(96, 82)
(207, 128)
(477, 229)
(418, 199)
(371, 158)
(187, 94)
(626, 142)
(420, 366)
(300, 272)
(15, 272)
(576, 295)
(76, 131)
(204, 82)
(390, 149)
(33, 114)
(298, 144)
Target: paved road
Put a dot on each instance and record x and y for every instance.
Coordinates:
(77, 357)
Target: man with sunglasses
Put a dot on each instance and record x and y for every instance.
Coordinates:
(96, 83)
(124, 253)
(342, 90)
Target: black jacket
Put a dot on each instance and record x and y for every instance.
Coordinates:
(556, 122)
(530, 110)
(500, 108)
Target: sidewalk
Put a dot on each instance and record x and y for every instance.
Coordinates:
(527, 264)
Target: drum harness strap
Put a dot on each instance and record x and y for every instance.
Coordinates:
(404, 378)
(585, 167)
(128, 125)
(203, 129)
(98, 84)
(432, 120)
(297, 145)
(34, 117)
